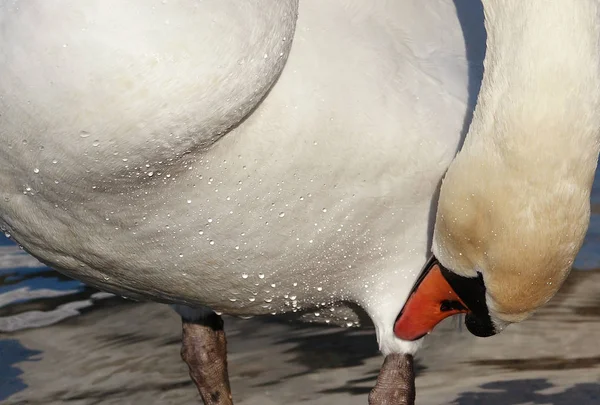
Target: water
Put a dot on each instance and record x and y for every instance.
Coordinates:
(589, 256)
(32, 295)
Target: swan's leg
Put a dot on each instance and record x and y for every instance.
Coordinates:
(396, 382)
(204, 349)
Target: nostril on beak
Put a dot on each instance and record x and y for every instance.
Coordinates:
(451, 305)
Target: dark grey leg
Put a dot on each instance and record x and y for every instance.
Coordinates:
(204, 349)
(396, 382)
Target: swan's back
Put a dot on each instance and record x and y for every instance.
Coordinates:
(136, 80)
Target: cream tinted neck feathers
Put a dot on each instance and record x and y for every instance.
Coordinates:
(514, 204)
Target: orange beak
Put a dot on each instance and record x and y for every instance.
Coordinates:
(431, 301)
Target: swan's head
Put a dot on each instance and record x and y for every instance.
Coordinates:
(514, 205)
(505, 239)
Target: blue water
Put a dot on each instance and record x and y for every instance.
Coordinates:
(11, 353)
(33, 295)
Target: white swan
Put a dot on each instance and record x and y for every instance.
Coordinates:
(514, 205)
(186, 152)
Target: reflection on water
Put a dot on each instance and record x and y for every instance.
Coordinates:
(502, 393)
(11, 353)
(33, 295)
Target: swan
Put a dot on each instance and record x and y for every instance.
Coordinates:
(275, 156)
(514, 205)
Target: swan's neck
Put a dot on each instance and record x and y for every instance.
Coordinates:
(540, 94)
(516, 198)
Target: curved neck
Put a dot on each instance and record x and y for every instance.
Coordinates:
(529, 158)
(540, 96)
